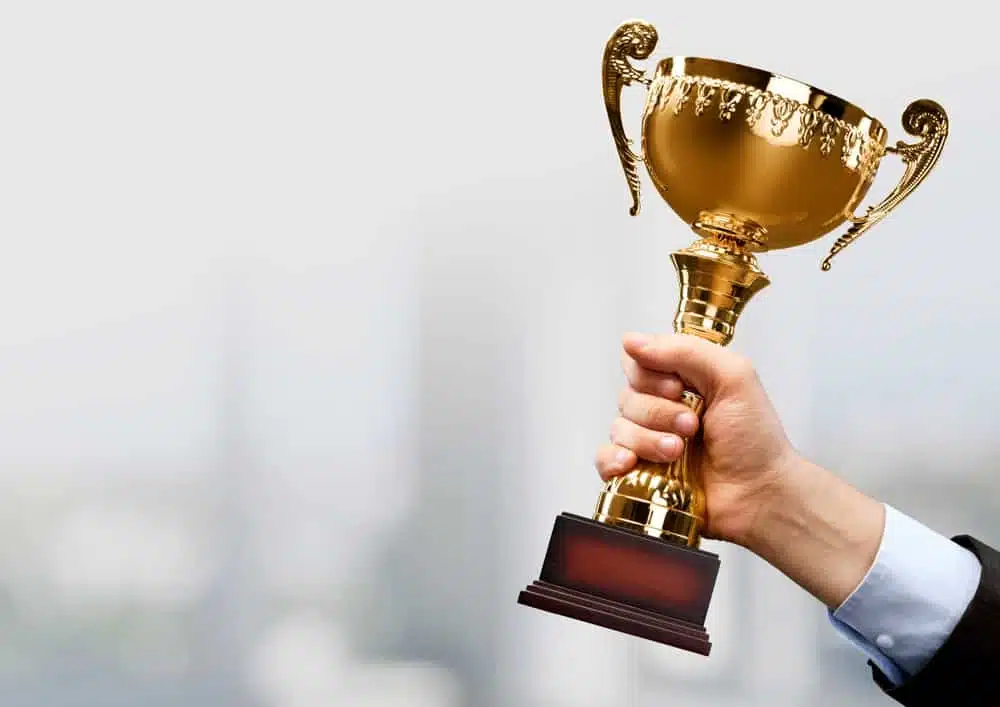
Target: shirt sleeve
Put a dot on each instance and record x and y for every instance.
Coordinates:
(910, 600)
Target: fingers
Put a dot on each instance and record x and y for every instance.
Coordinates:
(644, 380)
(645, 443)
(613, 460)
(706, 366)
(653, 423)
(649, 427)
(655, 413)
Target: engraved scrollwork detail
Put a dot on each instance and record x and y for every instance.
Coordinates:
(870, 156)
(730, 98)
(827, 135)
(808, 121)
(850, 152)
(756, 106)
(782, 110)
(859, 151)
(660, 92)
(684, 87)
(704, 98)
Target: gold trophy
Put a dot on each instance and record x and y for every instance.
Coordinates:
(753, 161)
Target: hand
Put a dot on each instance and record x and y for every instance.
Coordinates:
(760, 493)
(743, 452)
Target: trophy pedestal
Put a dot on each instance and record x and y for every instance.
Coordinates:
(627, 582)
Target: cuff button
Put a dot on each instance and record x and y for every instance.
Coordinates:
(884, 641)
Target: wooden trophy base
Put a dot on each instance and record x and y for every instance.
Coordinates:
(627, 582)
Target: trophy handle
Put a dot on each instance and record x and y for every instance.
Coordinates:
(928, 121)
(635, 39)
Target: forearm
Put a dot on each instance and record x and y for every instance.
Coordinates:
(819, 531)
(894, 588)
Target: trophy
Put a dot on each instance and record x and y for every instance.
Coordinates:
(753, 161)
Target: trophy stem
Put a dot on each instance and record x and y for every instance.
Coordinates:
(717, 276)
(716, 282)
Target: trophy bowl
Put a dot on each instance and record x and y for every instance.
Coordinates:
(786, 162)
(760, 160)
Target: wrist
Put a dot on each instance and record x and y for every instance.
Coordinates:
(817, 529)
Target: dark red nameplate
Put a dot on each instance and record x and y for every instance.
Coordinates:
(625, 581)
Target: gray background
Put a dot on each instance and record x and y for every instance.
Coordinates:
(309, 326)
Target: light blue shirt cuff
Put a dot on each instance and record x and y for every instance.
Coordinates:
(912, 598)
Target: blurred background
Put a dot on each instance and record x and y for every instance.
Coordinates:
(310, 317)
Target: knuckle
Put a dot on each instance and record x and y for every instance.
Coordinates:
(683, 351)
(670, 341)
(740, 370)
(650, 412)
(682, 344)
(657, 415)
(653, 383)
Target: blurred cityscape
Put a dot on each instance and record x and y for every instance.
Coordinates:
(311, 318)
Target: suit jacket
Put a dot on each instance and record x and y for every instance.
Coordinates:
(965, 672)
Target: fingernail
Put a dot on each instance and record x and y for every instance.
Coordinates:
(637, 340)
(669, 445)
(686, 423)
(621, 457)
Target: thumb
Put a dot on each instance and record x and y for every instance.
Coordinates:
(703, 365)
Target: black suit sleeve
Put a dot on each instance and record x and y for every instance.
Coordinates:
(966, 669)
